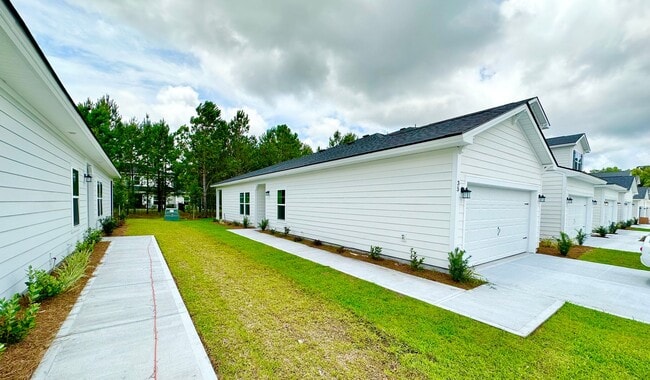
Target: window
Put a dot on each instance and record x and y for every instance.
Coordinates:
(282, 198)
(100, 199)
(244, 203)
(75, 197)
(577, 160)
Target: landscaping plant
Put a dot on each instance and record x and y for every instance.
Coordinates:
(245, 222)
(41, 285)
(581, 237)
(564, 243)
(15, 323)
(108, 225)
(286, 231)
(601, 231)
(318, 242)
(416, 263)
(72, 268)
(612, 228)
(459, 268)
(264, 224)
(547, 243)
(375, 252)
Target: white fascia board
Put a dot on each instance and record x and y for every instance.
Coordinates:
(36, 68)
(616, 188)
(585, 144)
(581, 176)
(445, 143)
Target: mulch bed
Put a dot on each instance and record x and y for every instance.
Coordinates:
(20, 360)
(575, 252)
(384, 262)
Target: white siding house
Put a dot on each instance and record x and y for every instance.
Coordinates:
(405, 189)
(625, 208)
(55, 180)
(606, 211)
(569, 193)
(641, 204)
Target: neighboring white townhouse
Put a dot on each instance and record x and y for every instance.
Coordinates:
(641, 204)
(569, 194)
(625, 209)
(471, 182)
(55, 179)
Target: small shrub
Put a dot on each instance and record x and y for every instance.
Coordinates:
(375, 252)
(92, 236)
(287, 230)
(263, 224)
(635, 221)
(340, 249)
(15, 323)
(108, 225)
(72, 269)
(416, 263)
(547, 243)
(629, 223)
(612, 228)
(581, 236)
(273, 231)
(318, 243)
(245, 222)
(601, 231)
(41, 285)
(564, 243)
(459, 268)
(297, 238)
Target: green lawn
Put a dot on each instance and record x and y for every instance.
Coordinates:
(613, 257)
(640, 229)
(262, 313)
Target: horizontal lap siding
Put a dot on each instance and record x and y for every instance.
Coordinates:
(366, 204)
(553, 207)
(36, 195)
(564, 156)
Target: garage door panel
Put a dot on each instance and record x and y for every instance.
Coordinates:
(496, 223)
(576, 215)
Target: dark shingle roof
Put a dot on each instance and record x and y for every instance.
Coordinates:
(562, 140)
(378, 142)
(642, 192)
(625, 181)
(625, 173)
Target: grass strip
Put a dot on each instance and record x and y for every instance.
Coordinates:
(614, 257)
(265, 313)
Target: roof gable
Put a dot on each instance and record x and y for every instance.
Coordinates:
(401, 138)
(576, 139)
(625, 181)
(642, 193)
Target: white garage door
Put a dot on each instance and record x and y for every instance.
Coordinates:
(576, 216)
(496, 223)
(610, 211)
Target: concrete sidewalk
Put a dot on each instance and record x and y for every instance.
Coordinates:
(622, 240)
(129, 322)
(524, 290)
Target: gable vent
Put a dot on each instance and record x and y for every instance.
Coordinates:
(538, 114)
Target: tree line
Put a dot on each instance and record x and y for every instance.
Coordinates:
(154, 161)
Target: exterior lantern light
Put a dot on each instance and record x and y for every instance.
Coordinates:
(626, 203)
(569, 200)
(268, 193)
(465, 192)
(541, 198)
(594, 202)
(606, 203)
(88, 177)
(618, 203)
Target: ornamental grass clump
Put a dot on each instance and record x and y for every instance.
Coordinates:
(581, 236)
(72, 268)
(263, 224)
(375, 252)
(245, 222)
(601, 231)
(564, 243)
(612, 228)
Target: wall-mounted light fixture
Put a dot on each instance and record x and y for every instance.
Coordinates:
(606, 203)
(268, 193)
(618, 203)
(594, 202)
(88, 177)
(541, 198)
(569, 200)
(626, 203)
(465, 192)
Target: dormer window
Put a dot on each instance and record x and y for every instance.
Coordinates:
(577, 160)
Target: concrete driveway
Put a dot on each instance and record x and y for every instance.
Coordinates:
(623, 240)
(615, 290)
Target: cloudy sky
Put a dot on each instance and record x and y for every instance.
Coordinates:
(363, 66)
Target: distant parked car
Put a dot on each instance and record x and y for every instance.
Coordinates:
(645, 251)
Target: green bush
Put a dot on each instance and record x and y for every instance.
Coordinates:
(287, 230)
(264, 224)
(2, 348)
(273, 231)
(601, 231)
(245, 222)
(581, 236)
(629, 223)
(375, 252)
(72, 268)
(297, 238)
(459, 268)
(635, 221)
(108, 225)
(415, 262)
(92, 236)
(15, 323)
(564, 243)
(41, 285)
(612, 228)
(318, 242)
